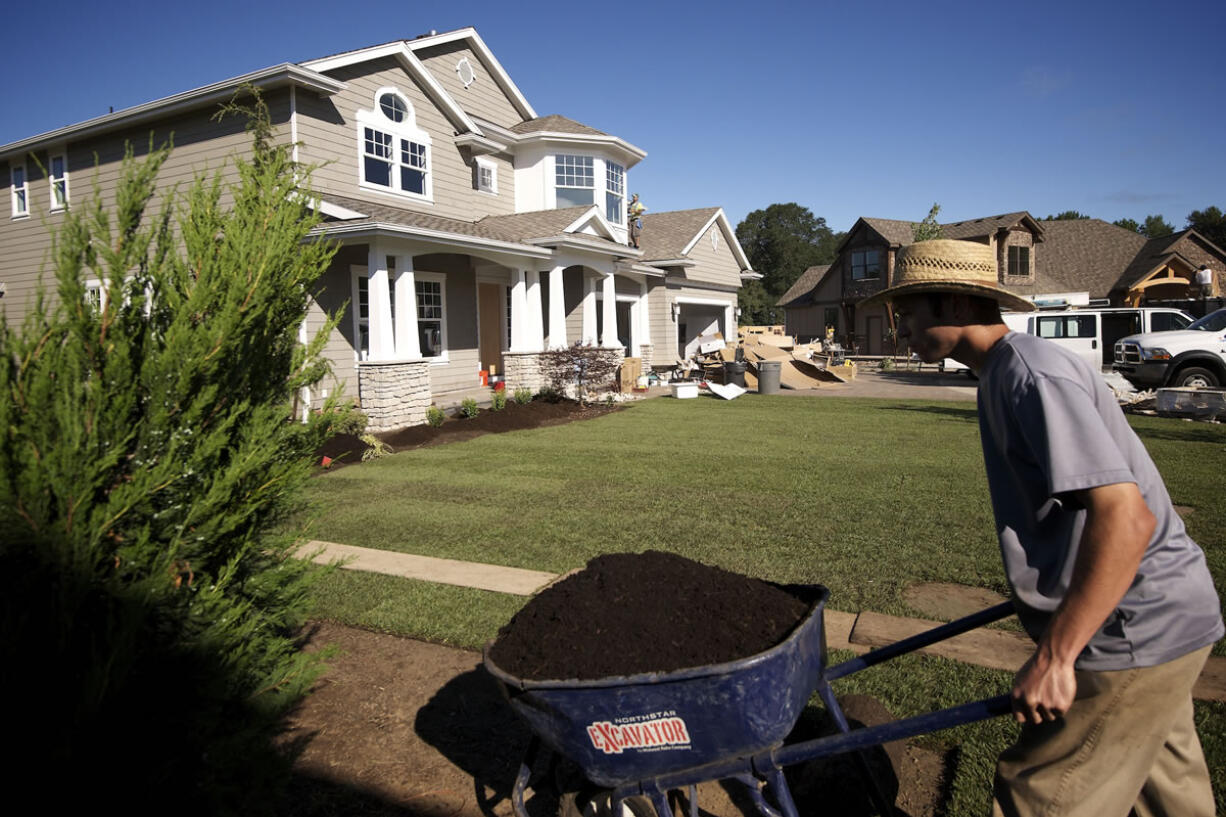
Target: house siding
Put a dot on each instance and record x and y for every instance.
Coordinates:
(201, 145)
(714, 266)
(328, 130)
(483, 97)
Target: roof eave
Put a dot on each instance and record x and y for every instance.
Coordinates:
(576, 242)
(454, 239)
(630, 154)
(286, 74)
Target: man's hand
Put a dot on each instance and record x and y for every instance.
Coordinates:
(1043, 690)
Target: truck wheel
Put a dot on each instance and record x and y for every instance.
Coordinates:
(1194, 377)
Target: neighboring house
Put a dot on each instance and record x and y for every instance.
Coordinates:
(1046, 261)
(474, 233)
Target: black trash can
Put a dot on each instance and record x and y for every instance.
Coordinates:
(734, 373)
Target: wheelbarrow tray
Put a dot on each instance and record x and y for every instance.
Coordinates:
(625, 728)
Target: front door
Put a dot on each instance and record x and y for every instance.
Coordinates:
(490, 299)
(872, 332)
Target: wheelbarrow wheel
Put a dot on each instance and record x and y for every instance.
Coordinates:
(599, 803)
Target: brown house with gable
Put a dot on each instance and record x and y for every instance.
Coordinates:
(1048, 261)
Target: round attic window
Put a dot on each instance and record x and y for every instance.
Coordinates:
(465, 69)
(715, 239)
(393, 107)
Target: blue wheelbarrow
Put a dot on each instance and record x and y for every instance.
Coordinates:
(638, 737)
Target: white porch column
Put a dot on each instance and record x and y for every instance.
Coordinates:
(379, 305)
(730, 324)
(644, 316)
(589, 312)
(609, 339)
(536, 324)
(636, 323)
(408, 341)
(519, 311)
(557, 310)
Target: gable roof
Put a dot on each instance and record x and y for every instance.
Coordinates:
(897, 233)
(798, 293)
(669, 236)
(1158, 252)
(989, 225)
(1084, 254)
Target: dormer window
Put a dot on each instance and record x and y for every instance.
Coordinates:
(576, 180)
(395, 153)
(1019, 261)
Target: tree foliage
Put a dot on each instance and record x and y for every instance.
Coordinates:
(929, 228)
(781, 242)
(1066, 215)
(1128, 224)
(1156, 226)
(1211, 223)
(147, 463)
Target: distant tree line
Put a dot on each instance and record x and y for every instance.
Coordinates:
(1210, 223)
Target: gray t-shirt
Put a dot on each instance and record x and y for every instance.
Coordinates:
(1050, 426)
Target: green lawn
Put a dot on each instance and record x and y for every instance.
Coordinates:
(864, 496)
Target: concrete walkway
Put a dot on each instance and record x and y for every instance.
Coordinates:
(858, 632)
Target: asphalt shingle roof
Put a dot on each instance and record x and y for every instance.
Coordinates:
(1085, 254)
(666, 235)
(976, 227)
(553, 123)
(804, 285)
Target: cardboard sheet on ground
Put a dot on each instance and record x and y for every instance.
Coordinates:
(729, 391)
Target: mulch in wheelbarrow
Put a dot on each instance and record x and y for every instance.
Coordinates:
(629, 613)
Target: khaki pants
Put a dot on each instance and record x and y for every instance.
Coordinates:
(1127, 742)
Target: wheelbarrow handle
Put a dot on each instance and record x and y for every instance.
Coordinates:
(894, 730)
(915, 642)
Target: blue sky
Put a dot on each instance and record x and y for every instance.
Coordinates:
(850, 108)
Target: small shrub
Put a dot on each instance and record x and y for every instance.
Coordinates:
(435, 416)
(887, 364)
(549, 394)
(523, 396)
(375, 448)
(468, 408)
(349, 420)
(498, 400)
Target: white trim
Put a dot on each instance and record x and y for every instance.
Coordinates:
(266, 78)
(293, 123)
(24, 187)
(492, 166)
(52, 180)
(450, 239)
(404, 131)
(460, 66)
(496, 70)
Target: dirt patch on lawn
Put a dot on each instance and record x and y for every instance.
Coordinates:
(944, 601)
(347, 449)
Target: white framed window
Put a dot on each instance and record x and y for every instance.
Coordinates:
(57, 176)
(20, 187)
(486, 176)
(865, 264)
(95, 294)
(464, 70)
(614, 192)
(575, 180)
(431, 314)
(394, 154)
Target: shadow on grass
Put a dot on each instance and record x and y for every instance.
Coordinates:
(969, 415)
(1183, 433)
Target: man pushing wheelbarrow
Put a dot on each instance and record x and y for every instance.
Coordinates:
(1105, 579)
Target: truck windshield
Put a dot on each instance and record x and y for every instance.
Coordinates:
(1213, 322)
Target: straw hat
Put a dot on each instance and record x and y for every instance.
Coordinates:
(942, 265)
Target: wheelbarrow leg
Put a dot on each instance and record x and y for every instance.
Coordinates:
(525, 772)
(783, 795)
(876, 794)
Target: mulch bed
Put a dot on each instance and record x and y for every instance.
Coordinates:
(347, 449)
(627, 613)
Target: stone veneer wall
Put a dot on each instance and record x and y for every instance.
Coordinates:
(394, 394)
(645, 352)
(522, 370)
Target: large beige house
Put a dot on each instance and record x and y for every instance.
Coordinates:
(475, 234)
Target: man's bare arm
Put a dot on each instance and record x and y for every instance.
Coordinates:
(1118, 528)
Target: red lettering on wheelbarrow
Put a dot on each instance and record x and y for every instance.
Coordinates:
(612, 738)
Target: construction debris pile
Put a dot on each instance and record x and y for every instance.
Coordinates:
(802, 366)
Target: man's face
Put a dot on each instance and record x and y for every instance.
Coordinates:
(927, 334)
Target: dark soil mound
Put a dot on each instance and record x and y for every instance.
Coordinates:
(628, 613)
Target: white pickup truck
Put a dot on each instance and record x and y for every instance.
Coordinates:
(1194, 357)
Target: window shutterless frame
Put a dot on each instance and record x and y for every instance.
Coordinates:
(57, 178)
(20, 188)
